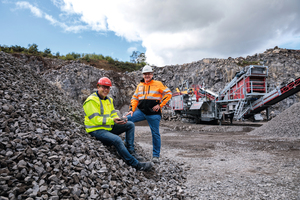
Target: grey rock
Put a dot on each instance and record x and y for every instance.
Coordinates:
(43, 188)
(53, 178)
(54, 198)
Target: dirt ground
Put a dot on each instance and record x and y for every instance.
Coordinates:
(223, 162)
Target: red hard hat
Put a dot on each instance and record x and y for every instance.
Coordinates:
(104, 81)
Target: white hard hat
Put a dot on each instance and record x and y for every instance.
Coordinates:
(147, 69)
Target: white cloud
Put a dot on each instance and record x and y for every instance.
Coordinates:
(23, 4)
(175, 32)
(182, 31)
(131, 49)
(37, 12)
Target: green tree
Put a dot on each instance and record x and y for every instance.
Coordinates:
(33, 48)
(5, 49)
(46, 52)
(75, 55)
(17, 48)
(87, 58)
(141, 58)
(134, 56)
(137, 57)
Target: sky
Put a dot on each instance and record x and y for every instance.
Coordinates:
(169, 32)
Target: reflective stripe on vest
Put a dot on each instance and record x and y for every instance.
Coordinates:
(105, 126)
(88, 123)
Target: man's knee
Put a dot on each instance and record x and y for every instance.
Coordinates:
(130, 124)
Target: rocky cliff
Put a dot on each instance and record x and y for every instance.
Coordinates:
(214, 74)
(78, 80)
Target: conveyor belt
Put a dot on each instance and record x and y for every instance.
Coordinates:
(274, 97)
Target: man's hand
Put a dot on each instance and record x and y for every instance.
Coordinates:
(156, 108)
(129, 113)
(124, 119)
(120, 121)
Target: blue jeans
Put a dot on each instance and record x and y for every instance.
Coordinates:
(153, 121)
(112, 138)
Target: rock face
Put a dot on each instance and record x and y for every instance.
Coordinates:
(46, 154)
(214, 74)
(78, 80)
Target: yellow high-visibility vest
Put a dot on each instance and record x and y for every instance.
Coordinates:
(99, 113)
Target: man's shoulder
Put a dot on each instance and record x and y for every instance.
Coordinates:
(93, 97)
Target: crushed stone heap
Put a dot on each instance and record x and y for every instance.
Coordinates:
(46, 154)
(286, 124)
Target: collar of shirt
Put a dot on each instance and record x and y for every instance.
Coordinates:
(100, 97)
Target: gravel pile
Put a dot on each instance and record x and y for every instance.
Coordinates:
(46, 154)
(286, 124)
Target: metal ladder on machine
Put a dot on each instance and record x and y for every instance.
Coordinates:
(239, 112)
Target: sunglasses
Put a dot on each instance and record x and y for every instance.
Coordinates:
(147, 74)
(105, 87)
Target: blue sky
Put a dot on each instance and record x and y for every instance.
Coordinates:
(22, 27)
(167, 31)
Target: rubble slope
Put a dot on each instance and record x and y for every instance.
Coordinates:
(46, 154)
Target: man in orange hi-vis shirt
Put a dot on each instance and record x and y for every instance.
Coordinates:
(146, 103)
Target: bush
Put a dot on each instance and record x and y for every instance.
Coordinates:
(75, 55)
(101, 57)
(33, 48)
(47, 52)
(5, 49)
(62, 57)
(96, 57)
(110, 60)
(17, 48)
(246, 63)
(87, 58)
(69, 57)
(25, 51)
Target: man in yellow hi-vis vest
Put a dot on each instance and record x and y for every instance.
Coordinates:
(102, 121)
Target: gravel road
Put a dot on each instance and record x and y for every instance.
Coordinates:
(225, 162)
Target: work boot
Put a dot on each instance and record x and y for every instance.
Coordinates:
(155, 160)
(138, 157)
(144, 166)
